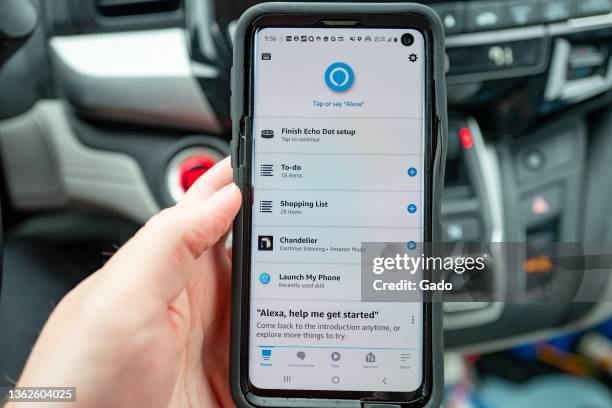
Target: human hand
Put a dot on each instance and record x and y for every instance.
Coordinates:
(151, 327)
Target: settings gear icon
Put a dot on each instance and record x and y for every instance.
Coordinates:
(413, 58)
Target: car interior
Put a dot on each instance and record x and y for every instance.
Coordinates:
(111, 109)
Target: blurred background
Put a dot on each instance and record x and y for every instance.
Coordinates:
(110, 109)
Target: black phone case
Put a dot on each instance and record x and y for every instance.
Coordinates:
(241, 144)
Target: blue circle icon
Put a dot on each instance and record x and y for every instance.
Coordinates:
(412, 208)
(411, 245)
(412, 172)
(339, 77)
(264, 278)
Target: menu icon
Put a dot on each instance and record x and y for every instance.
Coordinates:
(265, 206)
(266, 170)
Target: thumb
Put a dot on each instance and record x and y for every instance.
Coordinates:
(161, 257)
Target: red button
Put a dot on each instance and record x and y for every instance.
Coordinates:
(192, 168)
(466, 138)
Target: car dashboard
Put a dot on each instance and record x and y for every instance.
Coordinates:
(121, 102)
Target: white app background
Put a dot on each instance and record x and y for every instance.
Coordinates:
(333, 169)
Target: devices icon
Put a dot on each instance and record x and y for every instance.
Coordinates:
(335, 356)
(266, 56)
(266, 354)
(339, 76)
(370, 358)
(265, 206)
(264, 278)
(265, 242)
(266, 170)
(267, 133)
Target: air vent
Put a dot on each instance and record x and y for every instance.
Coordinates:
(113, 8)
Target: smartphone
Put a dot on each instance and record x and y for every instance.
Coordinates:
(337, 142)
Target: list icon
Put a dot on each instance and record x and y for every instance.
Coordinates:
(265, 206)
(266, 170)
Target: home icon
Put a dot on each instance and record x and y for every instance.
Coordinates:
(370, 358)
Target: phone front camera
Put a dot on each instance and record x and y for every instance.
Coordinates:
(407, 39)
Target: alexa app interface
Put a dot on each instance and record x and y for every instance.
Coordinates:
(338, 160)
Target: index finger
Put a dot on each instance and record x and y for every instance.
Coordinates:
(219, 176)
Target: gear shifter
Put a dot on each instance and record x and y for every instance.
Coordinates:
(18, 19)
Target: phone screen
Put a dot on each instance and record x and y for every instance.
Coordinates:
(338, 159)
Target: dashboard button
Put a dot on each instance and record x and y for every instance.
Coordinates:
(452, 16)
(192, 168)
(542, 206)
(495, 57)
(592, 7)
(534, 159)
(486, 16)
(556, 10)
(463, 229)
(524, 12)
